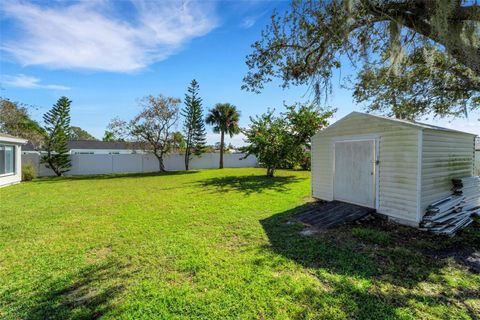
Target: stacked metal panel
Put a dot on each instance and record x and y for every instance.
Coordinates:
(469, 188)
(455, 212)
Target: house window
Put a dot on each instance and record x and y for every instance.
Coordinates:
(7, 159)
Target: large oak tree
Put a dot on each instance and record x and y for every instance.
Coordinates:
(306, 44)
(427, 83)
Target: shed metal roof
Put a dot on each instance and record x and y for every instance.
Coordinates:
(415, 124)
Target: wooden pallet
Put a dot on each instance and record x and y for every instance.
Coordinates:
(327, 215)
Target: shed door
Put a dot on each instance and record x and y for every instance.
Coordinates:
(354, 176)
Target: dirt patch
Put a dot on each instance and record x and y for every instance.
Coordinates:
(468, 257)
(312, 201)
(400, 234)
(98, 254)
(438, 247)
(307, 232)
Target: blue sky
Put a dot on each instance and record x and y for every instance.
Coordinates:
(106, 55)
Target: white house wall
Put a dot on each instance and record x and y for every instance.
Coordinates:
(445, 155)
(17, 176)
(398, 156)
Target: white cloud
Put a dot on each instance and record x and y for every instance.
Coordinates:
(250, 21)
(89, 35)
(23, 81)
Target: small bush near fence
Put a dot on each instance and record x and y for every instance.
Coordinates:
(28, 172)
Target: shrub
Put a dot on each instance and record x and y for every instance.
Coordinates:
(306, 161)
(28, 172)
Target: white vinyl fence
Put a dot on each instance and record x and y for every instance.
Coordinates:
(123, 163)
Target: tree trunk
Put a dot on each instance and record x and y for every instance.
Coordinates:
(54, 167)
(222, 138)
(58, 173)
(188, 148)
(270, 171)
(187, 157)
(161, 166)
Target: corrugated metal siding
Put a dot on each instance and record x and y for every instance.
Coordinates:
(445, 155)
(322, 164)
(398, 157)
(477, 163)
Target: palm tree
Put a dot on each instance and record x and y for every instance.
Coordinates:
(224, 119)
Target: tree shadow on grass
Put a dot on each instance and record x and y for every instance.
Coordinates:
(393, 257)
(85, 295)
(113, 176)
(249, 184)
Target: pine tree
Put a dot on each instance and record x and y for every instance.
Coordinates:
(194, 125)
(57, 126)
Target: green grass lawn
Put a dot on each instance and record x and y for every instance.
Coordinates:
(213, 244)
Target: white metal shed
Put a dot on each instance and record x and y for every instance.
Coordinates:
(397, 167)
